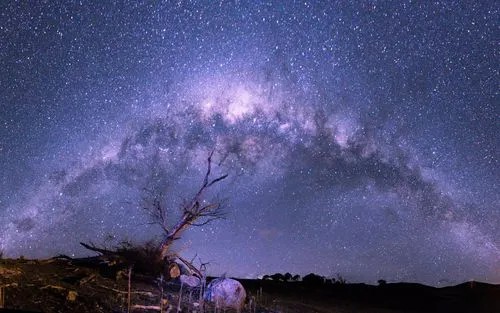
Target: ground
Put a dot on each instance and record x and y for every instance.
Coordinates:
(62, 285)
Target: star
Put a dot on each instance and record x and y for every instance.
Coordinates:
(358, 139)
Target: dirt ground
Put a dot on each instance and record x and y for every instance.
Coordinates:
(61, 285)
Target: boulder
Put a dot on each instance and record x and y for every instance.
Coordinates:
(226, 293)
(71, 295)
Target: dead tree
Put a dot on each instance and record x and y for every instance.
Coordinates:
(194, 212)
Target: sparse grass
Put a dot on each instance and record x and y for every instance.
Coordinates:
(46, 285)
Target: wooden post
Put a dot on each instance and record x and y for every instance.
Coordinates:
(161, 294)
(180, 299)
(129, 285)
(2, 297)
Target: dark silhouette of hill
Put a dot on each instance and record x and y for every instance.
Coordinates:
(468, 297)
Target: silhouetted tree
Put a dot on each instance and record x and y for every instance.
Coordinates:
(287, 277)
(340, 280)
(296, 277)
(278, 277)
(313, 279)
(381, 282)
(330, 281)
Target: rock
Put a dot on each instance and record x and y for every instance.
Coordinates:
(189, 280)
(174, 270)
(71, 295)
(121, 274)
(226, 293)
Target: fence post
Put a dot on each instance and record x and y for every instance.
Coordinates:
(2, 297)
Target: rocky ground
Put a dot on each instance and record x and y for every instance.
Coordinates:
(62, 285)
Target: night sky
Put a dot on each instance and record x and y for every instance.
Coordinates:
(360, 138)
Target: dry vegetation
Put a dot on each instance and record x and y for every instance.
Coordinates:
(61, 285)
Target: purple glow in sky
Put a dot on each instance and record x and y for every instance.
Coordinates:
(360, 138)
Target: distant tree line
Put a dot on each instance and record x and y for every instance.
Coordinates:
(309, 279)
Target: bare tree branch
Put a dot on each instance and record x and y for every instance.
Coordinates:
(153, 205)
(190, 266)
(193, 211)
(96, 249)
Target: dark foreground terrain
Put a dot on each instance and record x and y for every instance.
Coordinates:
(59, 285)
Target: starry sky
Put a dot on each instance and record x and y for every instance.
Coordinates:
(360, 137)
